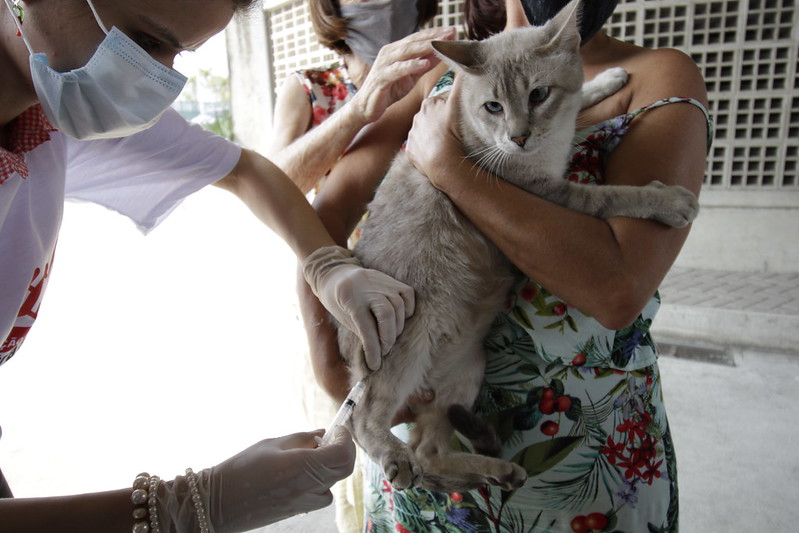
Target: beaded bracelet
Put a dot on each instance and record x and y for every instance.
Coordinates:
(144, 497)
(202, 519)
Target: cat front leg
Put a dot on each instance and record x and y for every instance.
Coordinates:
(672, 205)
(603, 85)
(371, 429)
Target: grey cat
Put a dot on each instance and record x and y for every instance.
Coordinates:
(521, 92)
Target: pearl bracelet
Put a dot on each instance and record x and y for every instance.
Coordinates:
(144, 497)
(202, 519)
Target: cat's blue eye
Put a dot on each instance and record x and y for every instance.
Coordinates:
(493, 107)
(539, 94)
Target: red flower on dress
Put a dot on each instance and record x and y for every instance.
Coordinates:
(319, 114)
(529, 292)
(652, 471)
(340, 92)
(613, 450)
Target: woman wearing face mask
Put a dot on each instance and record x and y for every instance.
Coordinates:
(84, 114)
(357, 31)
(585, 403)
(367, 35)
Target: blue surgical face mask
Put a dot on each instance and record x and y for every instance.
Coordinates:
(375, 23)
(121, 90)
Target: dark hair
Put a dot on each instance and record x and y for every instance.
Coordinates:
(484, 18)
(239, 6)
(330, 27)
(593, 13)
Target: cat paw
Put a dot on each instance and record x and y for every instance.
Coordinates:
(679, 207)
(402, 471)
(613, 78)
(510, 477)
(603, 85)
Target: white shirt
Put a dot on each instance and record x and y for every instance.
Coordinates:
(144, 176)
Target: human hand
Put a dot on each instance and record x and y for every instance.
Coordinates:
(434, 141)
(397, 68)
(277, 478)
(267, 482)
(369, 303)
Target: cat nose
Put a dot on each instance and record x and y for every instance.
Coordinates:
(520, 139)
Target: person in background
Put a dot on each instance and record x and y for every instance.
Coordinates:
(366, 35)
(579, 374)
(84, 114)
(357, 31)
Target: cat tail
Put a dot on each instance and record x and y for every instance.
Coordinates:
(478, 431)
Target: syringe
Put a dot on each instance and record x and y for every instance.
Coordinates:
(345, 411)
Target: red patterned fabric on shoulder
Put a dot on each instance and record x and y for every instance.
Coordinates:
(28, 131)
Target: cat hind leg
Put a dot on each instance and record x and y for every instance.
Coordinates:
(482, 436)
(448, 470)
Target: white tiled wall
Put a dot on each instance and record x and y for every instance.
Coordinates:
(747, 50)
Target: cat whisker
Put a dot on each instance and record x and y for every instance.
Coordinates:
(494, 160)
(482, 157)
(487, 162)
(579, 137)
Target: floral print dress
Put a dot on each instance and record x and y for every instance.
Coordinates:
(579, 406)
(328, 89)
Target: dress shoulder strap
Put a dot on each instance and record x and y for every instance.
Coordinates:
(677, 100)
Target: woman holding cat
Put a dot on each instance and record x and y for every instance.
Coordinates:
(572, 378)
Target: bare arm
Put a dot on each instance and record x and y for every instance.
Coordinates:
(102, 512)
(371, 304)
(396, 70)
(271, 480)
(608, 268)
(305, 153)
(277, 202)
(293, 116)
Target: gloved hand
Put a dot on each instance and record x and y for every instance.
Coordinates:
(265, 483)
(369, 303)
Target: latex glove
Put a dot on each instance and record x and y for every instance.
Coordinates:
(397, 68)
(265, 483)
(369, 303)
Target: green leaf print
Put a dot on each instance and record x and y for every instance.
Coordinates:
(529, 369)
(575, 411)
(570, 322)
(543, 456)
(523, 318)
(558, 386)
(552, 366)
(445, 82)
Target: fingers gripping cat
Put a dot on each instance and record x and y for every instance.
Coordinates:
(415, 234)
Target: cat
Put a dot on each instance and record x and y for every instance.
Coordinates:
(415, 234)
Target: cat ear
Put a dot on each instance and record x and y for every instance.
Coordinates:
(459, 54)
(565, 26)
